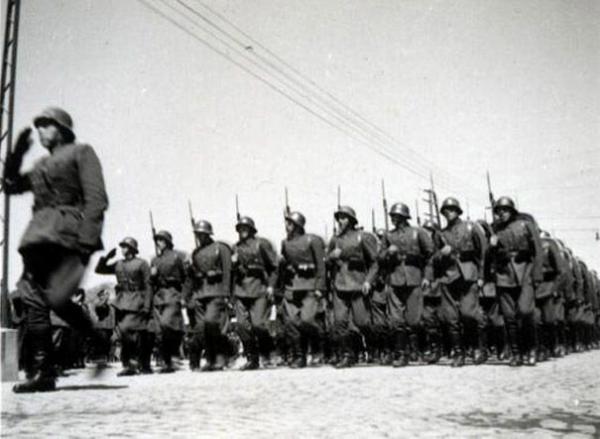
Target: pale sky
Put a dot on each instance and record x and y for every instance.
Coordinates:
(509, 86)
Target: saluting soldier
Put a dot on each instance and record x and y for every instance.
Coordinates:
(208, 299)
(168, 273)
(133, 302)
(255, 273)
(69, 201)
(517, 259)
(352, 257)
(303, 281)
(460, 256)
(406, 259)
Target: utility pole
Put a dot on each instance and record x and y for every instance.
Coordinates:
(7, 110)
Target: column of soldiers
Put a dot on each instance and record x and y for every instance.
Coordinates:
(408, 295)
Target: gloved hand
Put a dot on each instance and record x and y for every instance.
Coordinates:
(23, 142)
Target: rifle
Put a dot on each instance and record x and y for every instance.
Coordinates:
(373, 221)
(435, 201)
(237, 208)
(287, 210)
(385, 206)
(193, 222)
(153, 233)
(339, 203)
(490, 194)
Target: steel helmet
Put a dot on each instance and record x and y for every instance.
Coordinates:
(400, 209)
(60, 118)
(506, 202)
(203, 226)
(451, 203)
(430, 225)
(130, 243)
(164, 235)
(296, 218)
(245, 221)
(346, 211)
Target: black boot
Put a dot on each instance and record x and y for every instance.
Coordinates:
(299, 357)
(458, 359)
(401, 356)
(512, 334)
(415, 352)
(42, 378)
(458, 354)
(480, 355)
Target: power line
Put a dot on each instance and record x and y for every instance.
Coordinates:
(276, 88)
(379, 133)
(387, 154)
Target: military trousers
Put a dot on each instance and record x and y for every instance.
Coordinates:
(405, 307)
(252, 315)
(51, 277)
(517, 305)
(352, 318)
(211, 317)
(300, 310)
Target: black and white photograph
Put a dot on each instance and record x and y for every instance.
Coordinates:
(300, 219)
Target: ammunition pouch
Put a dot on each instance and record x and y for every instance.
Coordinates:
(467, 256)
(413, 260)
(356, 264)
(306, 270)
(521, 256)
(254, 270)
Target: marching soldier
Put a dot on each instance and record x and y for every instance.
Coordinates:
(405, 257)
(303, 281)
(255, 273)
(461, 260)
(352, 256)
(168, 274)
(210, 291)
(432, 324)
(380, 351)
(68, 216)
(548, 294)
(517, 258)
(133, 301)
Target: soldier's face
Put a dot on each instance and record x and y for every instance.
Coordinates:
(125, 251)
(450, 214)
(161, 244)
(243, 232)
(397, 220)
(343, 222)
(504, 214)
(289, 227)
(50, 135)
(203, 238)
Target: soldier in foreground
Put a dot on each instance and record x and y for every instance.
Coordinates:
(207, 299)
(303, 281)
(352, 257)
(405, 258)
(517, 256)
(461, 260)
(168, 274)
(68, 216)
(255, 273)
(133, 303)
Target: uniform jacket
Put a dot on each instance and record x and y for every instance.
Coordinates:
(210, 271)
(302, 265)
(578, 281)
(588, 283)
(466, 260)
(168, 275)
(412, 263)
(518, 256)
(133, 290)
(554, 270)
(101, 311)
(357, 262)
(255, 268)
(69, 198)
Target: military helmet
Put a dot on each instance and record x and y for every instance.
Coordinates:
(203, 226)
(166, 236)
(430, 225)
(400, 209)
(505, 202)
(58, 117)
(296, 218)
(451, 203)
(130, 243)
(245, 221)
(347, 211)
